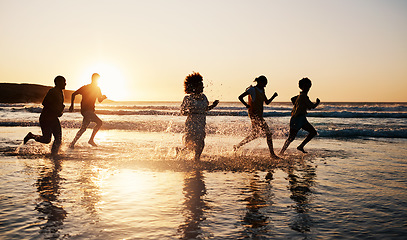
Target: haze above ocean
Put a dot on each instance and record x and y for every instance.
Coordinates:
(351, 184)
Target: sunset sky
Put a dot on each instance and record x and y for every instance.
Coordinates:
(352, 50)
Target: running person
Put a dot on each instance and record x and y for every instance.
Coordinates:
(89, 93)
(298, 116)
(257, 97)
(53, 109)
(194, 106)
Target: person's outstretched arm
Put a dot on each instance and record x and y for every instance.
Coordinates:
(268, 101)
(214, 104)
(101, 98)
(311, 105)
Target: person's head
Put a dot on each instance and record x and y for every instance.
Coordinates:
(60, 82)
(261, 81)
(193, 83)
(95, 78)
(305, 84)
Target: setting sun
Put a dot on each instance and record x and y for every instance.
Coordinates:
(112, 82)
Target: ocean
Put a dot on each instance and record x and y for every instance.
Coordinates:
(352, 183)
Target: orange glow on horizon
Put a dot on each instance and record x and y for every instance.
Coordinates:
(112, 82)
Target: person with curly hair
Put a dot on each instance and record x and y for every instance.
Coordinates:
(194, 106)
(257, 96)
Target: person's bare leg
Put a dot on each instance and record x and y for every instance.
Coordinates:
(285, 146)
(287, 143)
(198, 150)
(84, 125)
(92, 137)
(57, 132)
(270, 145)
(311, 134)
(246, 140)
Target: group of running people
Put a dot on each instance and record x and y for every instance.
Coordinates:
(54, 107)
(194, 106)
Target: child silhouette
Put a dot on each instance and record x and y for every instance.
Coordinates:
(298, 116)
(194, 106)
(257, 97)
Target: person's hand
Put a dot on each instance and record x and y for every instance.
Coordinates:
(215, 103)
(275, 95)
(104, 97)
(71, 108)
(318, 101)
(247, 106)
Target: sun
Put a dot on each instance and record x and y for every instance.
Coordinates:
(112, 82)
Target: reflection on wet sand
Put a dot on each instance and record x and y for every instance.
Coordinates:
(89, 188)
(259, 193)
(194, 205)
(301, 178)
(48, 188)
(255, 221)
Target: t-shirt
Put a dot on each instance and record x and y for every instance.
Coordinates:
(301, 104)
(53, 103)
(89, 94)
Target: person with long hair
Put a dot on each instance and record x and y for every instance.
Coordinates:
(256, 99)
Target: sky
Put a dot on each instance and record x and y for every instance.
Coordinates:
(352, 50)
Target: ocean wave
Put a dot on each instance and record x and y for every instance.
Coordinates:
(348, 114)
(235, 129)
(224, 112)
(320, 114)
(358, 133)
(325, 110)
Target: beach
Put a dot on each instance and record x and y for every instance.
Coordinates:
(350, 185)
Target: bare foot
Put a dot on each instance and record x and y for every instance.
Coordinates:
(275, 157)
(28, 137)
(72, 146)
(92, 143)
(301, 149)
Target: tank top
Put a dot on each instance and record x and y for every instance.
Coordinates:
(256, 104)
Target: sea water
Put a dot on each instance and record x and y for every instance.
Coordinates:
(350, 185)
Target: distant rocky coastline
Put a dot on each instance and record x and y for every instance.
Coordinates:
(26, 93)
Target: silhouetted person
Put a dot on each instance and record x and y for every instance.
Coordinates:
(53, 108)
(257, 97)
(298, 116)
(89, 93)
(194, 106)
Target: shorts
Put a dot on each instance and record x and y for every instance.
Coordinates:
(90, 116)
(298, 122)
